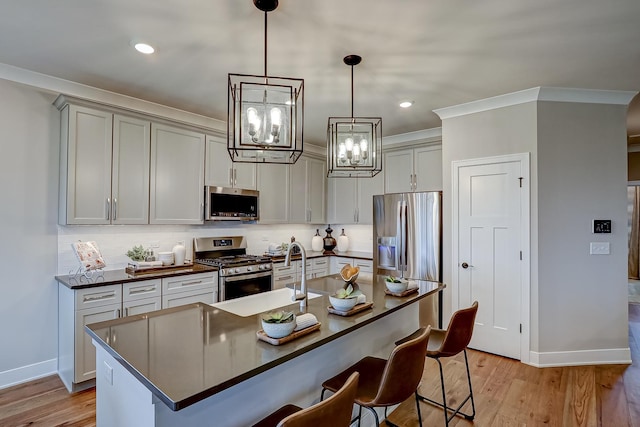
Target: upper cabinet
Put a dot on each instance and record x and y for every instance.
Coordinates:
(222, 172)
(414, 169)
(177, 176)
(307, 191)
(273, 185)
(351, 199)
(104, 176)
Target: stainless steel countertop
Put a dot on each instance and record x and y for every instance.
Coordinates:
(186, 354)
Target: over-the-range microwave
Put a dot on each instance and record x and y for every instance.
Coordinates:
(230, 204)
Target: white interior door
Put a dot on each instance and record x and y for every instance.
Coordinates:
(490, 263)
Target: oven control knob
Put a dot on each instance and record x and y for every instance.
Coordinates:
(237, 270)
(249, 268)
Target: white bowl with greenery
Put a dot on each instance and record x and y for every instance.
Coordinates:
(345, 299)
(279, 324)
(396, 285)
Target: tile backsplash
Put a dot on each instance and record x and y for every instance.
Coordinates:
(114, 241)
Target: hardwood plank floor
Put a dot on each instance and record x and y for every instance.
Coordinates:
(507, 393)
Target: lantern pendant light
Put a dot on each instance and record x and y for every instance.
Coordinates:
(265, 113)
(354, 144)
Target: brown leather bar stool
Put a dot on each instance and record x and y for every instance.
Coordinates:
(335, 411)
(386, 382)
(448, 343)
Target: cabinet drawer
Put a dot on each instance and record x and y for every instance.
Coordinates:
(192, 282)
(139, 306)
(139, 290)
(98, 296)
(364, 264)
(183, 298)
(279, 269)
(320, 263)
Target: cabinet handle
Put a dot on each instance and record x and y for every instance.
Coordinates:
(117, 313)
(105, 296)
(108, 208)
(142, 290)
(231, 176)
(195, 282)
(115, 209)
(126, 312)
(285, 277)
(235, 177)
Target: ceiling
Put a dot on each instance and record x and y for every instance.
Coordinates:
(438, 53)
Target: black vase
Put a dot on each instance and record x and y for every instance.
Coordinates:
(328, 242)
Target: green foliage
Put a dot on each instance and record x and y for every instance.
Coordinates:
(278, 317)
(347, 292)
(137, 253)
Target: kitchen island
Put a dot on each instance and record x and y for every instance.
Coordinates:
(201, 365)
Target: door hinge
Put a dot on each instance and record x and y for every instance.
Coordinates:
(520, 327)
(520, 179)
(520, 255)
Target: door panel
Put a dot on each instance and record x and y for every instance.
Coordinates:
(489, 221)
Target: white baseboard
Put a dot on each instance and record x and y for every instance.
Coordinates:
(609, 356)
(28, 373)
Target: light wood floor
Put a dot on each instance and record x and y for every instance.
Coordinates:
(507, 393)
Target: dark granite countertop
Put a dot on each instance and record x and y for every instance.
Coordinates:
(113, 277)
(186, 354)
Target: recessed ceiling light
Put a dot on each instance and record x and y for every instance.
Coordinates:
(144, 48)
(406, 104)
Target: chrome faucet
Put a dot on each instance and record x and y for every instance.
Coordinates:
(303, 295)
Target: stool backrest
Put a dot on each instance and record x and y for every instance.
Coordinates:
(334, 411)
(403, 371)
(459, 332)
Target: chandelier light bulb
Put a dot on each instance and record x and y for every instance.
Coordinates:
(356, 154)
(254, 123)
(364, 148)
(276, 122)
(349, 144)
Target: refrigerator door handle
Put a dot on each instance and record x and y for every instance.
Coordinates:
(399, 234)
(404, 236)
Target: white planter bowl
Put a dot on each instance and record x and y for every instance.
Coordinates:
(397, 288)
(343, 304)
(279, 330)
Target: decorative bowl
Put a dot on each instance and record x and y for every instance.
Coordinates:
(349, 274)
(397, 287)
(343, 304)
(166, 258)
(279, 330)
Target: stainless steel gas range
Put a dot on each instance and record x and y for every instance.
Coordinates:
(239, 274)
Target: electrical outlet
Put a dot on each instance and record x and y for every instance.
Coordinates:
(108, 373)
(265, 238)
(599, 248)
(154, 244)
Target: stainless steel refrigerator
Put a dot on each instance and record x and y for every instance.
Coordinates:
(407, 236)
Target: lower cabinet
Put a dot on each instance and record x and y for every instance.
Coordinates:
(317, 267)
(286, 275)
(338, 262)
(77, 308)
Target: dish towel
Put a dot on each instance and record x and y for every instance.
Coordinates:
(305, 320)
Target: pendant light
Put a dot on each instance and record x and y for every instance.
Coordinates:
(265, 113)
(354, 144)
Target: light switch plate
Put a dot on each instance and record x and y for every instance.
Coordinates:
(599, 248)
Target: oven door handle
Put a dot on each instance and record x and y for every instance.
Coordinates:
(243, 277)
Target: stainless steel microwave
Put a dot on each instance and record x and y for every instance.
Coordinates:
(230, 204)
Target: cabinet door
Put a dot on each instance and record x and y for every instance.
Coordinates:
(428, 168)
(316, 191)
(299, 191)
(85, 352)
(174, 300)
(221, 171)
(86, 137)
(398, 170)
(139, 306)
(367, 188)
(342, 200)
(130, 172)
(273, 184)
(177, 176)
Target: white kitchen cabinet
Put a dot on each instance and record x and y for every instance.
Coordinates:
(284, 276)
(104, 167)
(77, 308)
(85, 165)
(177, 176)
(413, 169)
(222, 172)
(141, 297)
(338, 262)
(179, 290)
(307, 189)
(273, 185)
(317, 267)
(351, 199)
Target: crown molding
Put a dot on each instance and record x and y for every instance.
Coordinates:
(425, 135)
(55, 85)
(553, 94)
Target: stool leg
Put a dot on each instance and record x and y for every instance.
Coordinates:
(473, 405)
(444, 394)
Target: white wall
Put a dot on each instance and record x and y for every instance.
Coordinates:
(28, 216)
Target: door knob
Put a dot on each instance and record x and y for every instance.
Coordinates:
(464, 265)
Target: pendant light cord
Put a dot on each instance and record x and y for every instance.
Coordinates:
(265, 43)
(352, 93)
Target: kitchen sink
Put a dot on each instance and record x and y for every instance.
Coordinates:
(259, 303)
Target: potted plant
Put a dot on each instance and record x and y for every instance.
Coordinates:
(278, 324)
(345, 299)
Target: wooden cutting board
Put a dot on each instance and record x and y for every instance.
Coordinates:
(292, 336)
